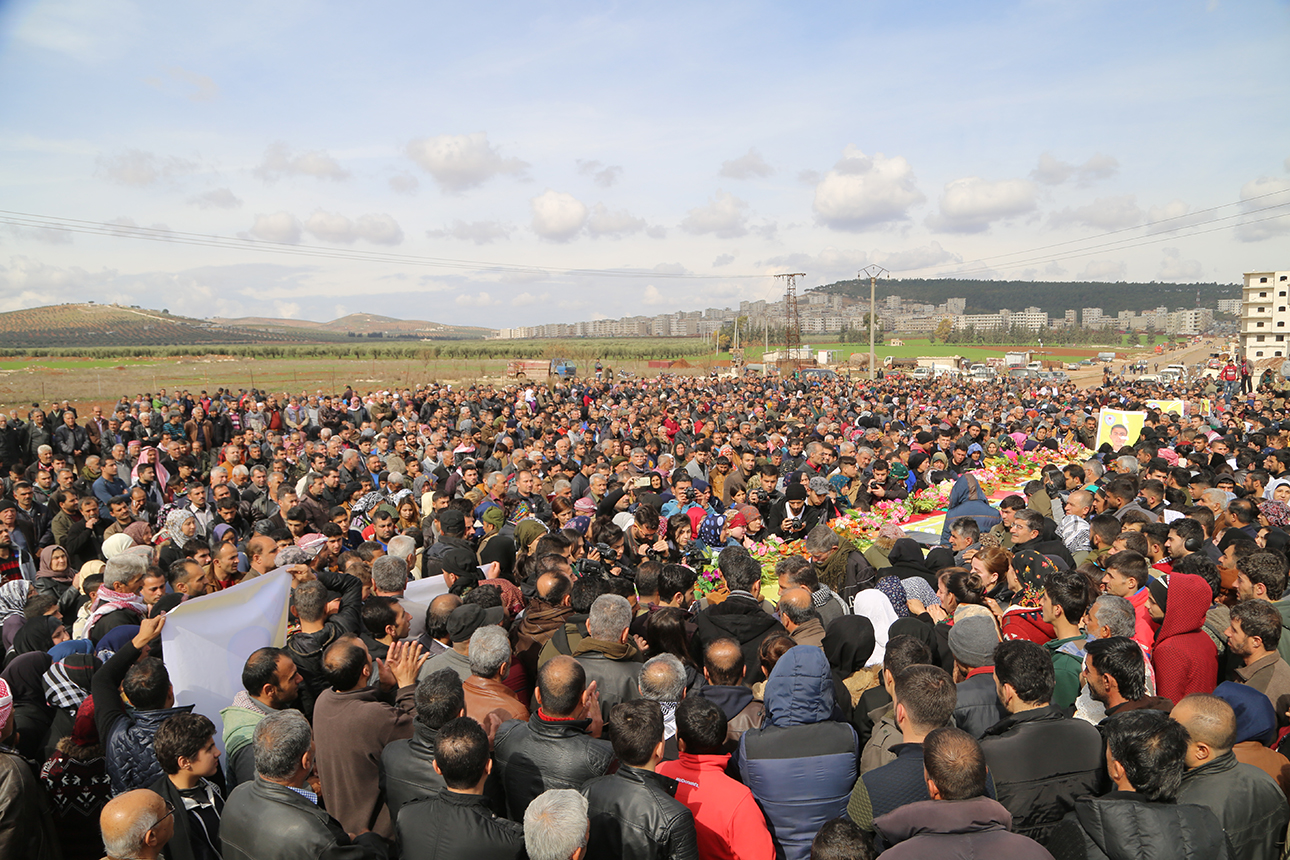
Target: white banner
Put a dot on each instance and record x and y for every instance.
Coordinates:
(206, 641)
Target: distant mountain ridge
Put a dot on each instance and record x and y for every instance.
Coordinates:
(88, 324)
(360, 323)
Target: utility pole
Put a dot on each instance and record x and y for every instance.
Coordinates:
(874, 272)
(793, 327)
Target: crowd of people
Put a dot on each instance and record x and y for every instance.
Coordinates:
(1092, 666)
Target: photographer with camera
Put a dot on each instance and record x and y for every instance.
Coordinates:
(644, 539)
(789, 518)
(882, 486)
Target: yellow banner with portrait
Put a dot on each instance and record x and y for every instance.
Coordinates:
(1119, 428)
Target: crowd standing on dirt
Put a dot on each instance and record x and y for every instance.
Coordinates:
(1093, 666)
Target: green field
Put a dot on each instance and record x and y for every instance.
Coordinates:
(914, 347)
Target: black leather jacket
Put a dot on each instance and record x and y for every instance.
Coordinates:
(408, 774)
(263, 819)
(635, 816)
(542, 754)
(452, 826)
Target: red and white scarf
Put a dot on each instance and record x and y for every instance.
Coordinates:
(110, 601)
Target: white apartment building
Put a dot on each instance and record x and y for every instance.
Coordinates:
(1265, 320)
(1093, 318)
(1229, 306)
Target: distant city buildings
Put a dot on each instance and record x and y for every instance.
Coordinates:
(823, 313)
(1264, 318)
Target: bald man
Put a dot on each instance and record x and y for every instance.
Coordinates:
(546, 614)
(435, 639)
(800, 617)
(122, 822)
(724, 670)
(1249, 803)
(557, 747)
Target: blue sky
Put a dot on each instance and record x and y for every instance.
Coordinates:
(684, 152)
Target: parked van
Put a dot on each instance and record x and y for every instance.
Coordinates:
(1106, 356)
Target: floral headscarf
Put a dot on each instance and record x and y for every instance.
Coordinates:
(1276, 513)
(174, 527)
(894, 591)
(1031, 568)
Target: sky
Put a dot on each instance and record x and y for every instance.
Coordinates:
(509, 164)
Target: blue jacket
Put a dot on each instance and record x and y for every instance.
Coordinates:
(967, 499)
(801, 764)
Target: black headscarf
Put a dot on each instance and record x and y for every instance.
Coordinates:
(23, 676)
(37, 634)
(906, 558)
(848, 643)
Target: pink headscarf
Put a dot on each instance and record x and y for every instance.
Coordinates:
(163, 476)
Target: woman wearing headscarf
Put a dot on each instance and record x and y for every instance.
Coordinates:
(32, 715)
(878, 553)
(67, 685)
(849, 645)
(878, 608)
(181, 526)
(1024, 620)
(141, 533)
(77, 781)
(117, 544)
(906, 559)
(13, 600)
(967, 499)
(40, 634)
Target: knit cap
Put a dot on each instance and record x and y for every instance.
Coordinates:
(973, 640)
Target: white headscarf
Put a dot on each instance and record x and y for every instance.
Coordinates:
(874, 605)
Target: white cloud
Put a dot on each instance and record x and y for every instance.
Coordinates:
(1104, 213)
(280, 161)
(604, 175)
(287, 310)
(479, 232)
(602, 222)
(671, 269)
(479, 300)
(651, 296)
(277, 227)
(656, 231)
(1174, 268)
(404, 183)
(557, 216)
(1174, 215)
(1051, 171)
(85, 30)
(462, 161)
(195, 87)
(379, 229)
(217, 198)
(1263, 229)
(724, 216)
(862, 192)
(1104, 270)
(140, 169)
(331, 227)
(970, 204)
(526, 299)
(723, 260)
(746, 166)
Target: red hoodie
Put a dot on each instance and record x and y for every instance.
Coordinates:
(727, 820)
(1184, 656)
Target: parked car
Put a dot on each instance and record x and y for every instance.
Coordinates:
(1073, 365)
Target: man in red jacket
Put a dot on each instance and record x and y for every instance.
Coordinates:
(727, 820)
(1185, 658)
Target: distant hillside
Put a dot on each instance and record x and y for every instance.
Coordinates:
(363, 324)
(1052, 296)
(81, 325)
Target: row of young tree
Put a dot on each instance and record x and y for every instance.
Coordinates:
(946, 333)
